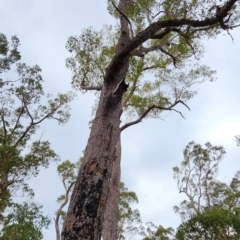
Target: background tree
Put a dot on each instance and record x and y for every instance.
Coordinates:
(211, 210)
(152, 232)
(24, 221)
(21, 113)
(129, 223)
(68, 173)
(153, 37)
(237, 138)
(128, 219)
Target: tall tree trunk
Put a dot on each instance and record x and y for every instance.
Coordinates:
(85, 214)
(110, 216)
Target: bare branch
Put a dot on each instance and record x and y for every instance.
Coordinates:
(138, 120)
(18, 119)
(61, 208)
(170, 108)
(130, 24)
(142, 51)
(157, 14)
(6, 82)
(186, 36)
(170, 55)
(26, 107)
(187, 190)
(151, 67)
(97, 88)
(32, 123)
(133, 88)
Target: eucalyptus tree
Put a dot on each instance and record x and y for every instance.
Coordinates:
(128, 219)
(68, 173)
(211, 210)
(24, 221)
(152, 232)
(22, 110)
(144, 65)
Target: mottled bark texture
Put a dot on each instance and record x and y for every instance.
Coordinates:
(110, 216)
(84, 220)
(88, 201)
(85, 215)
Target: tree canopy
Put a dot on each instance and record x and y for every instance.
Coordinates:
(23, 107)
(211, 210)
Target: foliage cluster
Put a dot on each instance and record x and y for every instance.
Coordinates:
(21, 157)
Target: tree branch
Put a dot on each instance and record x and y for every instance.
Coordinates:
(97, 88)
(6, 83)
(39, 121)
(187, 190)
(18, 119)
(120, 57)
(162, 34)
(120, 12)
(142, 51)
(4, 124)
(170, 108)
(133, 88)
(170, 55)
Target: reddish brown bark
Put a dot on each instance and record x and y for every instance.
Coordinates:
(88, 201)
(110, 216)
(84, 218)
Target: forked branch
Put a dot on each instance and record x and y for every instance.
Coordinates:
(170, 108)
(166, 25)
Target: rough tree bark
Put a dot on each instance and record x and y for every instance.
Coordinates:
(88, 201)
(85, 215)
(84, 219)
(65, 202)
(110, 216)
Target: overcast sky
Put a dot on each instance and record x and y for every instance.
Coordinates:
(149, 149)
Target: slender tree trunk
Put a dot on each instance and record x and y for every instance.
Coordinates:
(110, 216)
(58, 236)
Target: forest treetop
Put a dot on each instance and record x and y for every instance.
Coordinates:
(163, 47)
